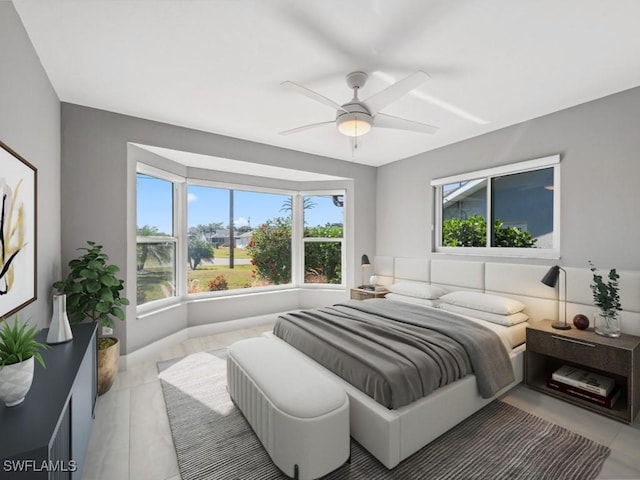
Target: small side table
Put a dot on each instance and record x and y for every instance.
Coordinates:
(619, 358)
(363, 294)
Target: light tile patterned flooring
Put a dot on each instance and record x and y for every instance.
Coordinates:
(131, 439)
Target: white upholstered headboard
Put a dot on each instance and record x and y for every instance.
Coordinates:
(519, 281)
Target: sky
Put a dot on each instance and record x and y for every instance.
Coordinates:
(210, 205)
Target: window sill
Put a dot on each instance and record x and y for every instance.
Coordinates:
(168, 304)
(530, 253)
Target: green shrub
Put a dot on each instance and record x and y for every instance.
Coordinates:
(472, 232)
(270, 250)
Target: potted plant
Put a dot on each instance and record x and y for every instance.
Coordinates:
(94, 293)
(18, 348)
(607, 299)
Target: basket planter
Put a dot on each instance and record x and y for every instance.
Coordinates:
(108, 362)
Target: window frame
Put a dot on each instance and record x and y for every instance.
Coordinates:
(178, 219)
(304, 240)
(247, 188)
(552, 161)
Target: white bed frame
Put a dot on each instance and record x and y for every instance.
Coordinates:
(393, 435)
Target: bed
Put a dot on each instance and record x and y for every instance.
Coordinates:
(393, 434)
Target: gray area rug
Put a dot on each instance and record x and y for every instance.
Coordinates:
(213, 440)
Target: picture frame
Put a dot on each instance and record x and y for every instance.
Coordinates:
(18, 232)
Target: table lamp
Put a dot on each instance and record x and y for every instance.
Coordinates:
(551, 280)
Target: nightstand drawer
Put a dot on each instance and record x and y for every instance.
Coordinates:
(582, 352)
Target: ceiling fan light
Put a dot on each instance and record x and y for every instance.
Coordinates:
(353, 126)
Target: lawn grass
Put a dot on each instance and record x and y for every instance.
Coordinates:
(238, 277)
(223, 252)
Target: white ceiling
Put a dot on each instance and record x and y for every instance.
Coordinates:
(217, 65)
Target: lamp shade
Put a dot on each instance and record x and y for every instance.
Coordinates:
(550, 279)
(365, 261)
(352, 126)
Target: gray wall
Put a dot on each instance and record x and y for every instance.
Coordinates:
(98, 184)
(30, 125)
(599, 144)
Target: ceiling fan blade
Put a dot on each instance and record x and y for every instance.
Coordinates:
(392, 93)
(387, 121)
(306, 127)
(311, 94)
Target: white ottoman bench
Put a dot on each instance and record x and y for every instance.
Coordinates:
(299, 414)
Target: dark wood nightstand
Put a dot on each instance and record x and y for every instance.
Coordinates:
(362, 294)
(619, 358)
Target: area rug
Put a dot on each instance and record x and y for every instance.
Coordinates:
(213, 441)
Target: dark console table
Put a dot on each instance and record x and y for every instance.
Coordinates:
(46, 437)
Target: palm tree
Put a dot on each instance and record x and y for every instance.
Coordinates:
(156, 251)
(307, 204)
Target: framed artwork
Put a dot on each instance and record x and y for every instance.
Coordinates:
(18, 200)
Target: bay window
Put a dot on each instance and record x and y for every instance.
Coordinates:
(200, 237)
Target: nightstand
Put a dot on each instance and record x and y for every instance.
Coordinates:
(362, 294)
(619, 358)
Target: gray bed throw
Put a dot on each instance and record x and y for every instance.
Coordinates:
(397, 353)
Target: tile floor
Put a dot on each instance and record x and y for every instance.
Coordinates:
(131, 439)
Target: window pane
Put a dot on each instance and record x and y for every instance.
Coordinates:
(522, 209)
(156, 277)
(154, 206)
(323, 215)
(224, 258)
(323, 262)
(464, 214)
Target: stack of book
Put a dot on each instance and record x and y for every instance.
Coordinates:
(373, 288)
(588, 386)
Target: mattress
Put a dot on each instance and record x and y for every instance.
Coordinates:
(397, 353)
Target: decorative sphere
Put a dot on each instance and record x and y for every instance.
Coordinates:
(581, 321)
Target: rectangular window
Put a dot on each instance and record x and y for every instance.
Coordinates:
(237, 239)
(156, 243)
(511, 210)
(323, 238)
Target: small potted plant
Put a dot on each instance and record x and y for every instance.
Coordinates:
(18, 348)
(607, 299)
(94, 293)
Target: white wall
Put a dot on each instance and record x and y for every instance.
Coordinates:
(30, 125)
(599, 144)
(98, 186)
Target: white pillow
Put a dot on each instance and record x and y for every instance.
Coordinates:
(506, 320)
(417, 289)
(484, 301)
(396, 297)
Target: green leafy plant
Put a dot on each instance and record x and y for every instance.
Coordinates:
(198, 251)
(270, 250)
(472, 232)
(18, 343)
(605, 295)
(92, 289)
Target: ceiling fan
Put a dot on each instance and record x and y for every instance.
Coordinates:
(356, 117)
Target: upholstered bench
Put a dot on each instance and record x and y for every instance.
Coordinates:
(300, 415)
